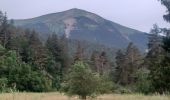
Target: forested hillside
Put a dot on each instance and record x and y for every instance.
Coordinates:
(81, 25)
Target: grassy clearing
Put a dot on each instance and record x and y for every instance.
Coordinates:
(58, 96)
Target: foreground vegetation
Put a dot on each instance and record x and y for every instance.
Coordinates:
(58, 96)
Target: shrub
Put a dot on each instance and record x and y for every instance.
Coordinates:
(3, 84)
(105, 85)
(16, 75)
(143, 84)
(81, 81)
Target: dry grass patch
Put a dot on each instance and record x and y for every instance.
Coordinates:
(58, 96)
(132, 97)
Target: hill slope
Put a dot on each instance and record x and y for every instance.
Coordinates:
(82, 25)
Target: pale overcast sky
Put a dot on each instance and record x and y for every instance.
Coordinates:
(137, 14)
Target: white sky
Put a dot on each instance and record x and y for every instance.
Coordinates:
(137, 14)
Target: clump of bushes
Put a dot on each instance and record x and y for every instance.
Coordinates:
(83, 82)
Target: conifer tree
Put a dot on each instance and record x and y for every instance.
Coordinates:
(58, 50)
(100, 62)
(79, 55)
(128, 64)
(95, 61)
(4, 33)
(154, 47)
(119, 65)
(104, 63)
(160, 70)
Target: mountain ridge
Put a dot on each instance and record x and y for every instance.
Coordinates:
(83, 25)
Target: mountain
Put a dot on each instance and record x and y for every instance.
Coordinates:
(83, 25)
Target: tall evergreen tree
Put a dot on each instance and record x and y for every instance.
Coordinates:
(38, 52)
(4, 34)
(58, 50)
(166, 3)
(119, 65)
(154, 47)
(160, 69)
(79, 55)
(64, 53)
(128, 64)
(95, 61)
(38, 56)
(100, 62)
(104, 63)
(133, 60)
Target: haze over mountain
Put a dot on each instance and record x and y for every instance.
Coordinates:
(83, 25)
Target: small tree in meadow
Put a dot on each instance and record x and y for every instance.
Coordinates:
(81, 81)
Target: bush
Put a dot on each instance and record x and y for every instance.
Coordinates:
(83, 82)
(16, 75)
(122, 90)
(143, 84)
(80, 81)
(105, 85)
(3, 84)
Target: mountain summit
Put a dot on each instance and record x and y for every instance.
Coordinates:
(83, 25)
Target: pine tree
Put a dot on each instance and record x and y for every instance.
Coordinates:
(166, 3)
(104, 63)
(64, 53)
(38, 56)
(4, 33)
(128, 64)
(95, 61)
(133, 60)
(58, 50)
(160, 65)
(38, 52)
(154, 47)
(79, 55)
(100, 63)
(119, 65)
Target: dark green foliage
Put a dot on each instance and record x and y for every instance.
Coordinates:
(27, 63)
(119, 66)
(54, 47)
(133, 60)
(4, 32)
(94, 61)
(160, 77)
(81, 81)
(159, 64)
(79, 55)
(3, 84)
(127, 65)
(161, 70)
(166, 44)
(100, 62)
(57, 48)
(143, 84)
(154, 48)
(105, 84)
(19, 75)
(166, 3)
